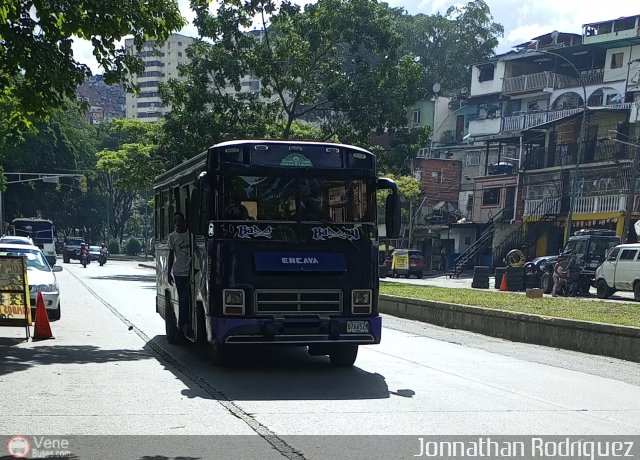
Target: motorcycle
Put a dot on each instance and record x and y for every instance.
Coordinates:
(84, 260)
(102, 258)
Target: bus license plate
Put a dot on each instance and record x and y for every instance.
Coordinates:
(358, 327)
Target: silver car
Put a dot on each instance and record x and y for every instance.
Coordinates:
(40, 274)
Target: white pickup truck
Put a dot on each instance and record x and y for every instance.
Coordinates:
(620, 271)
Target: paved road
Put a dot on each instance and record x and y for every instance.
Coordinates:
(99, 376)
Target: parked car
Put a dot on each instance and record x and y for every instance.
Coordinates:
(620, 272)
(40, 274)
(11, 239)
(590, 246)
(405, 262)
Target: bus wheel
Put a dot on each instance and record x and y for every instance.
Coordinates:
(343, 355)
(218, 353)
(170, 326)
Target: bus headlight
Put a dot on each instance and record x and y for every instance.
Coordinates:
(361, 301)
(233, 301)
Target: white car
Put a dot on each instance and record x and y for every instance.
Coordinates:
(11, 239)
(40, 275)
(620, 271)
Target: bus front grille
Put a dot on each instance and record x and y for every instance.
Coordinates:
(301, 302)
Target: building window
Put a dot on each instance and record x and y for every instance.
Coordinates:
(467, 240)
(179, 53)
(416, 117)
(473, 158)
(616, 60)
(486, 73)
(491, 197)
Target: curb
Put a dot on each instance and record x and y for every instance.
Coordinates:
(147, 266)
(621, 342)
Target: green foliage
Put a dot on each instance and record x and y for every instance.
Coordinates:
(405, 146)
(447, 45)
(65, 143)
(337, 63)
(128, 163)
(133, 247)
(626, 314)
(114, 247)
(38, 71)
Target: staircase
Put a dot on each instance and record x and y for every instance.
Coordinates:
(485, 239)
(523, 239)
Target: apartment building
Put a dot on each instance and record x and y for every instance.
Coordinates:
(161, 64)
(546, 133)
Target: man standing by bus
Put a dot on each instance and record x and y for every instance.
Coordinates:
(179, 270)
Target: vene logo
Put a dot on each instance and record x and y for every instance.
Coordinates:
(299, 260)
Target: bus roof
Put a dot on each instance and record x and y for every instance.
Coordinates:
(31, 219)
(200, 161)
(288, 142)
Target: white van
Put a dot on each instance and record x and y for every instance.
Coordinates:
(620, 271)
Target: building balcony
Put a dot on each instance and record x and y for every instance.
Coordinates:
(525, 120)
(582, 205)
(549, 80)
(479, 127)
(529, 83)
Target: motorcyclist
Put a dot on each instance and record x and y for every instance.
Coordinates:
(84, 252)
(102, 258)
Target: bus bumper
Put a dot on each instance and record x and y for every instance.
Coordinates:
(301, 331)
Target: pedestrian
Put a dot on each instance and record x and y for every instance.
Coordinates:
(179, 243)
(560, 273)
(443, 259)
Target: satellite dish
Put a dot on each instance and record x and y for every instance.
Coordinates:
(436, 88)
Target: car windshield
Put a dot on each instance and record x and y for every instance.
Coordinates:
(94, 248)
(34, 258)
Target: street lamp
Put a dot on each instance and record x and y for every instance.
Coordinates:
(583, 126)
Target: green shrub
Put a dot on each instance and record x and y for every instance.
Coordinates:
(133, 247)
(114, 247)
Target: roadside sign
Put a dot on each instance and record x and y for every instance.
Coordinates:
(400, 260)
(15, 306)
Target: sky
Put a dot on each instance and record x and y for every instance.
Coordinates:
(521, 19)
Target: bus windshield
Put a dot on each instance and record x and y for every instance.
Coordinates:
(39, 231)
(283, 199)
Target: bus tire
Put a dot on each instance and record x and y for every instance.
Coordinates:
(343, 355)
(170, 324)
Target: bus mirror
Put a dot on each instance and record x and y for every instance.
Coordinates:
(392, 215)
(194, 212)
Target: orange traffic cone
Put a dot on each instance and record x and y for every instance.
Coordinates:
(42, 329)
(503, 283)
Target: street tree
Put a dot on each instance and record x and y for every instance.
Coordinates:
(38, 69)
(128, 163)
(447, 45)
(335, 63)
(63, 144)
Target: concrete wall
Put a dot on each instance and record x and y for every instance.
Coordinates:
(595, 338)
(440, 179)
(487, 87)
(481, 211)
